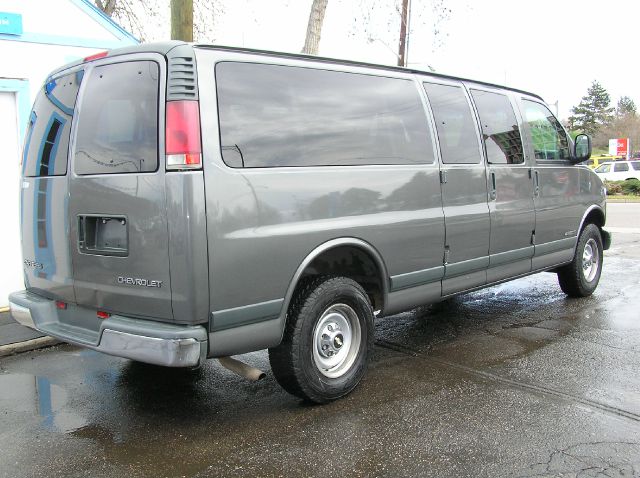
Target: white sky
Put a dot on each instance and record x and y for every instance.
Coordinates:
(551, 47)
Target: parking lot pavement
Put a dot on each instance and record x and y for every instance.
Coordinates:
(515, 380)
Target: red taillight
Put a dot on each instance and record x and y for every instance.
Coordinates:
(182, 135)
(61, 305)
(103, 315)
(102, 54)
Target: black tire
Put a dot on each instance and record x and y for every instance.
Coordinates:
(573, 279)
(316, 306)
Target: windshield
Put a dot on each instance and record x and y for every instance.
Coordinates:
(603, 168)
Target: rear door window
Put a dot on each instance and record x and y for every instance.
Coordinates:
(455, 124)
(499, 128)
(47, 139)
(636, 165)
(118, 120)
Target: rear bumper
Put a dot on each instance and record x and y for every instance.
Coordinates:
(137, 339)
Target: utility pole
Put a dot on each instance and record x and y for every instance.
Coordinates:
(182, 20)
(404, 28)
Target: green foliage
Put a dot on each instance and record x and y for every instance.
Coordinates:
(593, 112)
(626, 107)
(613, 187)
(630, 187)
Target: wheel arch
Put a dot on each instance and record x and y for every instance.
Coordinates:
(593, 215)
(329, 252)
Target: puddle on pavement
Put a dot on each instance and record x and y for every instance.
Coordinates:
(37, 396)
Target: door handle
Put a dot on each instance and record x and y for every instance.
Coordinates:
(536, 184)
(492, 191)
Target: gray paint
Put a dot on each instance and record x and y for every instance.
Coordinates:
(245, 315)
(245, 338)
(405, 299)
(416, 278)
(188, 254)
(141, 198)
(230, 245)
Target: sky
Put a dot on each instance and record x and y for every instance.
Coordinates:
(554, 48)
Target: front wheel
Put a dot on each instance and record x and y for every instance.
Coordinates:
(580, 278)
(327, 340)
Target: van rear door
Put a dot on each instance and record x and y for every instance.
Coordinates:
(45, 189)
(117, 202)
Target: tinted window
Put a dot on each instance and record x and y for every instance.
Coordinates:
(47, 139)
(499, 128)
(636, 165)
(118, 120)
(547, 136)
(454, 123)
(287, 116)
(621, 167)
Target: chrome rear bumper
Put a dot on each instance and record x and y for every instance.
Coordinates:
(137, 339)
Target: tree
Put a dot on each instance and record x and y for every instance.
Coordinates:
(182, 20)
(148, 20)
(626, 107)
(593, 112)
(314, 27)
(379, 21)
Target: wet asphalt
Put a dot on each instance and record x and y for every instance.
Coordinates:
(515, 380)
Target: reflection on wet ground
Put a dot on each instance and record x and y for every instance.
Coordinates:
(516, 380)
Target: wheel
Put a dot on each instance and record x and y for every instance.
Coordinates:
(580, 278)
(327, 340)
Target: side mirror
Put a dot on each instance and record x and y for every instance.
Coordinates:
(581, 148)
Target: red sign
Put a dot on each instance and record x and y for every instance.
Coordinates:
(619, 147)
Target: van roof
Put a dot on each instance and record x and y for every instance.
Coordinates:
(165, 47)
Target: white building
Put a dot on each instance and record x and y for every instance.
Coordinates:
(36, 36)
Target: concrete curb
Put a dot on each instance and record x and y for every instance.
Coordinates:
(27, 345)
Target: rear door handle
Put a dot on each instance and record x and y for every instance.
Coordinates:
(492, 191)
(536, 184)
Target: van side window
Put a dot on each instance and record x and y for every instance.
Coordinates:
(620, 167)
(499, 128)
(47, 137)
(273, 115)
(118, 120)
(547, 135)
(454, 123)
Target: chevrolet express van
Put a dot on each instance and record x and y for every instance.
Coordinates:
(181, 202)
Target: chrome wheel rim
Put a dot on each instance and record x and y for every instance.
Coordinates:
(336, 340)
(590, 260)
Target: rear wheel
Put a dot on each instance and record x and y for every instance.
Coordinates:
(327, 340)
(580, 278)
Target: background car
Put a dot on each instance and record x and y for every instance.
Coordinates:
(619, 170)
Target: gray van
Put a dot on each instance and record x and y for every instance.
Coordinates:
(181, 202)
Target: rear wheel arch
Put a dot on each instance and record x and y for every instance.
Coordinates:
(346, 257)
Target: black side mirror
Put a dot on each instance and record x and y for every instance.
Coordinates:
(581, 148)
